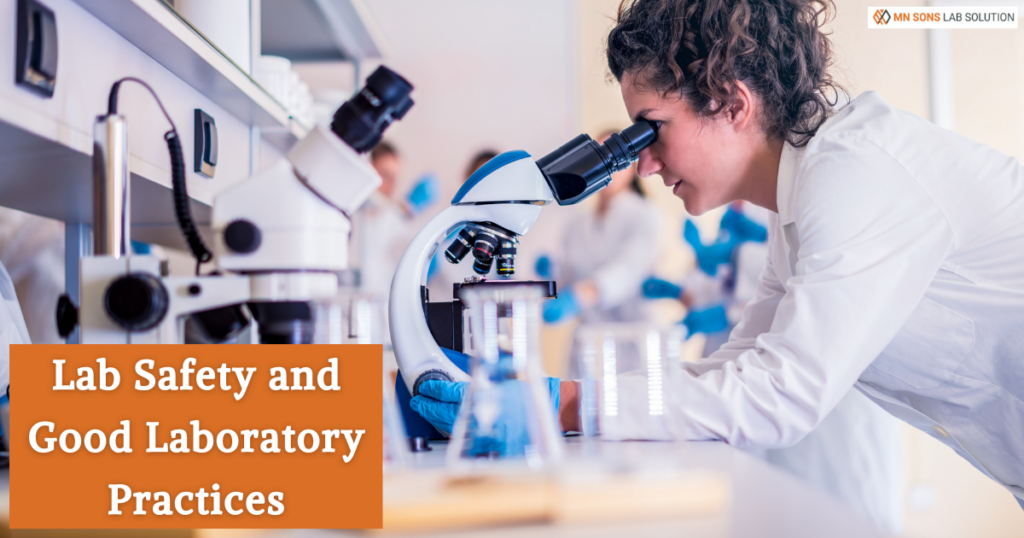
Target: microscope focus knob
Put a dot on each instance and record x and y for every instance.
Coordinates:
(67, 316)
(137, 301)
(242, 236)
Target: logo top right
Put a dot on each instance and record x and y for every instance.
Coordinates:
(882, 17)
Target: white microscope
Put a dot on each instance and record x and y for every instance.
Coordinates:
(281, 236)
(496, 205)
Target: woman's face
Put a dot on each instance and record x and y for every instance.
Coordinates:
(704, 162)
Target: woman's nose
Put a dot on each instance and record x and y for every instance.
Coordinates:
(649, 164)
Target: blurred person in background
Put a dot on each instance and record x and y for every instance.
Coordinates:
(32, 250)
(725, 275)
(382, 227)
(479, 159)
(854, 453)
(607, 254)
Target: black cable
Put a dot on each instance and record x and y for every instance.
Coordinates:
(181, 201)
(180, 191)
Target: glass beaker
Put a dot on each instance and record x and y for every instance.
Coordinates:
(628, 371)
(396, 448)
(506, 413)
(352, 317)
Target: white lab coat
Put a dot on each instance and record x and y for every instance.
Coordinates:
(12, 327)
(381, 231)
(617, 252)
(32, 250)
(855, 453)
(896, 265)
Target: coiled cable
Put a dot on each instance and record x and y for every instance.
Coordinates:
(182, 210)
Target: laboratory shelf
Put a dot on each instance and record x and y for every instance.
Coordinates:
(157, 30)
(331, 30)
(35, 163)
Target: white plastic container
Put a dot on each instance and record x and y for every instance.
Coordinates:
(225, 23)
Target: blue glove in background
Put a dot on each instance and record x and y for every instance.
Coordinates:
(707, 320)
(140, 248)
(741, 228)
(562, 308)
(439, 402)
(544, 267)
(423, 194)
(656, 288)
(709, 257)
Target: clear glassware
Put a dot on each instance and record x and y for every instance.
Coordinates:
(506, 413)
(627, 373)
(351, 318)
(396, 448)
(358, 318)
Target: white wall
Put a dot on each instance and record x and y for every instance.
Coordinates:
(486, 74)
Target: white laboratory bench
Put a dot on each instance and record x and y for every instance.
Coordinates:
(765, 502)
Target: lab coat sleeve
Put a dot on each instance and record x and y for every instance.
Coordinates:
(870, 241)
(619, 281)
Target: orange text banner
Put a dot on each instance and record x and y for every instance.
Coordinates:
(196, 436)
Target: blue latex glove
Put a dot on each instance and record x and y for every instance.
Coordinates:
(656, 288)
(708, 320)
(544, 267)
(140, 248)
(423, 194)
(439, 402)
(562, 308)
(742, 228)
(709, 257)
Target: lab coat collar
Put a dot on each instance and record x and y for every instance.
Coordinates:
(785, 189)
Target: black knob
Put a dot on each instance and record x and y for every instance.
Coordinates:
(242, 236)
(67, 316)
(137, 301)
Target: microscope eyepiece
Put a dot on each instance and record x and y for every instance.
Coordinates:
(361, 121)
(582, 167)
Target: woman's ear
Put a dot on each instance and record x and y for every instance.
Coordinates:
(741, 108)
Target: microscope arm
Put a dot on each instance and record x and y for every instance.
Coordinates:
(415, 349)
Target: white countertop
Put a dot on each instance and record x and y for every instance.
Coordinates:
(766, 501)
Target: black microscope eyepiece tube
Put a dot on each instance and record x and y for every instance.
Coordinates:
(362, 120)
(582, 167)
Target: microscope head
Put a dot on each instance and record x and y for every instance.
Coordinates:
(569, 174)
(294, 216)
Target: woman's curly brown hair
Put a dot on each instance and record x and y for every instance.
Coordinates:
(697, 49)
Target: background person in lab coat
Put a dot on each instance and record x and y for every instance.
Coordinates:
(607, 253)
(32, 250)
(382, 227)
(895, 247)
